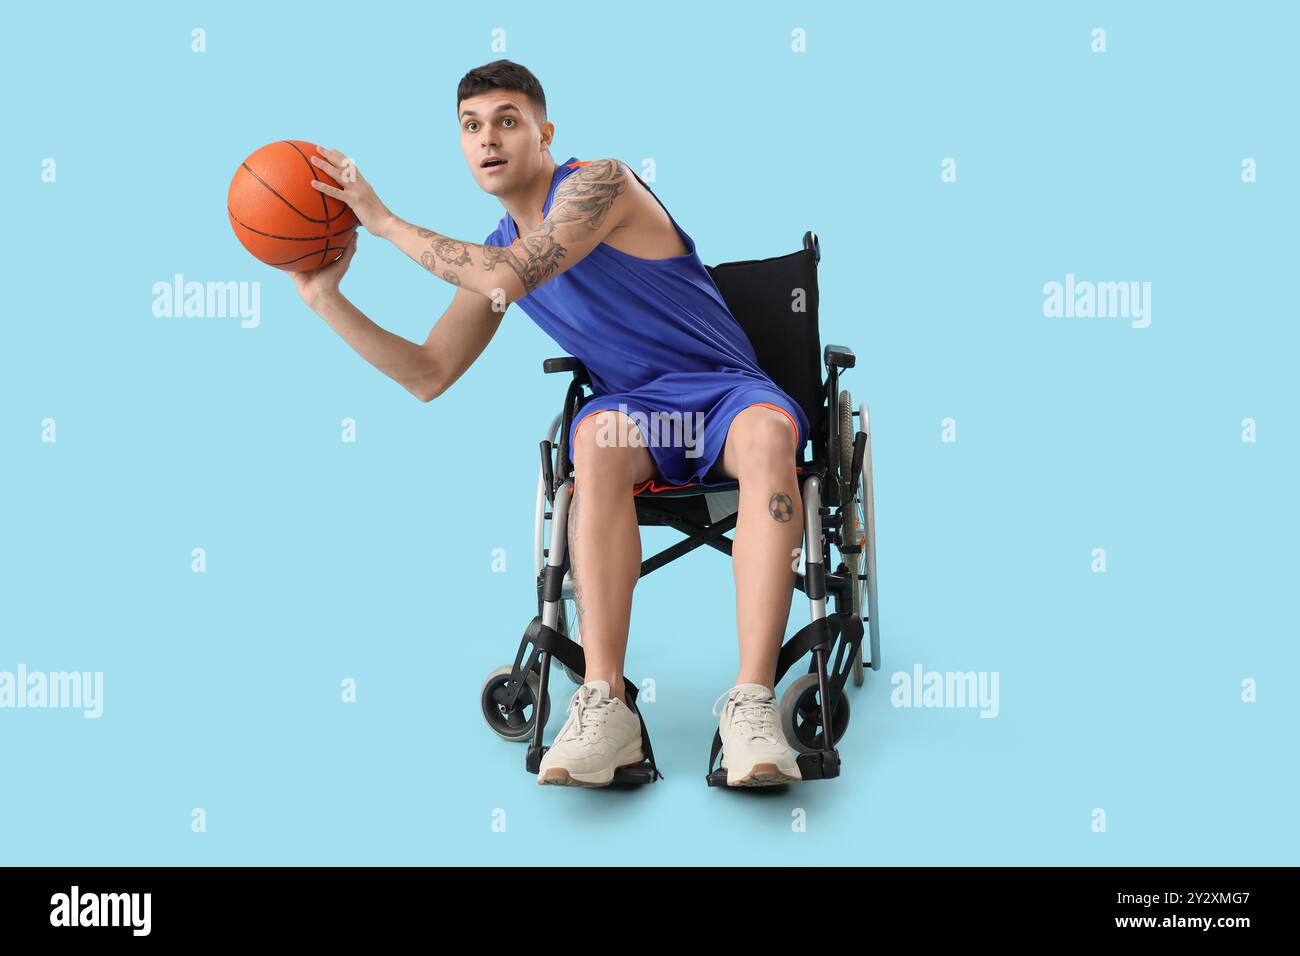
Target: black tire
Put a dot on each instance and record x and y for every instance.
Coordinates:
(799, 716)
(515, 725)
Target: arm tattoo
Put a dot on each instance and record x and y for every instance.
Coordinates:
(445, 252)
(540, 257)
(431, 263)
(585, 197)
(451, 251)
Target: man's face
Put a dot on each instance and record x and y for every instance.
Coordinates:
(500, 126)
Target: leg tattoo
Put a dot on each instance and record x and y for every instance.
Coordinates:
(781, 508)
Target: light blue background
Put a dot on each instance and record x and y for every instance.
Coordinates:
(373, 561)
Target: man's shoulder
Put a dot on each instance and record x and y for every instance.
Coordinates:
(598, 185)
(608, 169)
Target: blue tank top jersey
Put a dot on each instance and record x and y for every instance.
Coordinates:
(661, 346)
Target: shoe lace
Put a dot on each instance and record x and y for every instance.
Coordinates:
(751, 714)
(583, 708)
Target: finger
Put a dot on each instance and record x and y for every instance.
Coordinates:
(326, 165)
(348, 251)
(343, 163)
(328, 190)
(333, 155)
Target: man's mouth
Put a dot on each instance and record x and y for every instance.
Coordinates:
(492, 162)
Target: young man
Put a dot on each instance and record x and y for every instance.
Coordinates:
(594, 258)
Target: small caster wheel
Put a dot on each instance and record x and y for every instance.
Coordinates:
(514, 724)
(800, 716)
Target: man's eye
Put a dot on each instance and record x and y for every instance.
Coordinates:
(509, 119)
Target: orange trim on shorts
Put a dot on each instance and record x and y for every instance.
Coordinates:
(793, 423)
(655, 486)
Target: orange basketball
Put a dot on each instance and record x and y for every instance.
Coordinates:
(277, 214)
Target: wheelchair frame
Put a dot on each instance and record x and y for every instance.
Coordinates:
(831, 495)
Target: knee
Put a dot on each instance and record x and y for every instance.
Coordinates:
(763, 440)
(604, 445)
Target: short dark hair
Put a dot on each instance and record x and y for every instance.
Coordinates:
(503, 75)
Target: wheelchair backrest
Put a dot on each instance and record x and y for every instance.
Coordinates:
(775, 302)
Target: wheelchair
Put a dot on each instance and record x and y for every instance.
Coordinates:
(838, 512)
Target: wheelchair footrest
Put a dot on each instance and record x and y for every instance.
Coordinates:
(635, 775)
(820, 765)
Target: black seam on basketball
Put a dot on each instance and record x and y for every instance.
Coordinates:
(278, 196)
(271, 235)
(328, 250)
(324, 200)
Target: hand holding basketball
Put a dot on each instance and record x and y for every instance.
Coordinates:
(352, 188)
(312, 285)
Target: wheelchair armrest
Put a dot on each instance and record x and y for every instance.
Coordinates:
(567, 363)
(840, 356)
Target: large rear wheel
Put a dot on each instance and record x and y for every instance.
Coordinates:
(851, 527)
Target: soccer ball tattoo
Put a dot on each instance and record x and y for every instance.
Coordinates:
(781, 508)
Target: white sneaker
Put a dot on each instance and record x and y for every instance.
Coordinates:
(601, 734)
(754, 748)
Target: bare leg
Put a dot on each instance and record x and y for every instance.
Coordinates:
(759, 453)
(604, 540)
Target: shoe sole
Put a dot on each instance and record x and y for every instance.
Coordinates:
(762, 775)
(562, 777)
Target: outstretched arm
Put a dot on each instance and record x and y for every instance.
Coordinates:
(426, 371)
(587, 207)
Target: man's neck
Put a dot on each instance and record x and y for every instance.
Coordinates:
(526, 207)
